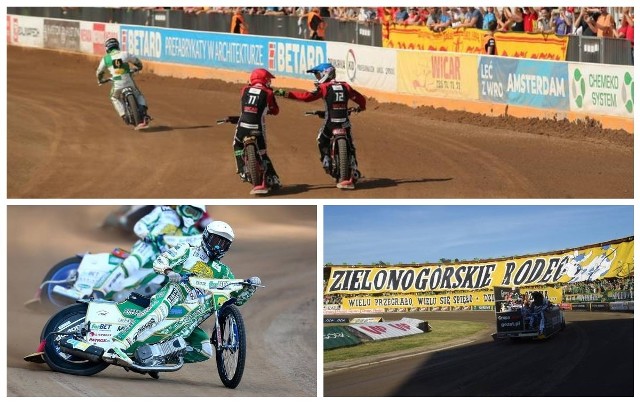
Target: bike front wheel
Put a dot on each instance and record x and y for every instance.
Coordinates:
(231, 354)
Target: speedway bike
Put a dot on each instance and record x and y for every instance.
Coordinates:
(75, 339)
(134, 114)
(76, 277)
(342, 163)
(255, 166)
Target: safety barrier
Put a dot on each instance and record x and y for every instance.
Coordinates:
(474, 83)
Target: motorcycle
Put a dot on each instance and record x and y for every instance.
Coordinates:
(134, 114)
(342, 163)
(76, 277)
(255, 166)
(75, 339)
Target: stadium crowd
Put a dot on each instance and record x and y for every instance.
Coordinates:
(589, 21)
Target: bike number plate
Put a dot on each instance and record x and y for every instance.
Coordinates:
(340, 131)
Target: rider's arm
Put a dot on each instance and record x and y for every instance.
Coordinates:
(305, 96)
(272, 105)
(102, 67)
(144, 226)
(172, 259)
(133, 60)
(357, 97)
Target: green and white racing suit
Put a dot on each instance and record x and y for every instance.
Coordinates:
(117, 62)
(162, 220)
(182, 259)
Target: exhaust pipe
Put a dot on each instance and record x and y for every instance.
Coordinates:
(92, 353)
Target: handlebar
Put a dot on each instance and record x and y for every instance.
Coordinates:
(228, 119)
(106, 80)
(321, 114)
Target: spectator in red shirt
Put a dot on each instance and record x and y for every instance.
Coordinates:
(530, 18)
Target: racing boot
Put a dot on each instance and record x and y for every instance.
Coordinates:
(348, 184)
(259, 190)
(116, 353)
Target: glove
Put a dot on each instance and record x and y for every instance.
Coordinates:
(161, 264)
(173, 276)
(149, 239)
(280, 93)
(254, 281)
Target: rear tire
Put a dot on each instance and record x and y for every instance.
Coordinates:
(344, 160)
(253, 165)
(231, 357)
(134, 110)
(68, 320)
(50, 300)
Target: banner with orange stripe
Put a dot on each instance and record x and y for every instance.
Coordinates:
(471, 40)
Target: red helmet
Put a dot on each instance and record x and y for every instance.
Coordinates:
(261, 76)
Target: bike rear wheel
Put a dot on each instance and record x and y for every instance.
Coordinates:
(68, 320)
(343, 160)
(133, 109)
(63, 274)
(253, 165)
(230, 356)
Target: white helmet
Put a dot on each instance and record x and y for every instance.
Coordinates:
(216, 239)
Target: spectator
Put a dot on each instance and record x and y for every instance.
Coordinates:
(366, 15)
(543, 25)
(414, 18)
(517, 19)
(238, 26)
(434, 19)
(445, 20)
(473, 18)
(626, 27)
(316, 24)
(401, 15)
(562, 21)
(605, 24)
(488, 16)
(530, 17)
(585, 23)
(457, 16)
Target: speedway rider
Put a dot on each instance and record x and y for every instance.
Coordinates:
(257, 101)
(117, 63)
(336, 95)
(202, 261)
(161, 221)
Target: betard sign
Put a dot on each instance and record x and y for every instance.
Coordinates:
(601, 89)
(143, 42)
(294, 57)
(607, 260)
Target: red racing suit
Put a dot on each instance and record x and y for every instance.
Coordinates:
(256, 102)
(336, 95)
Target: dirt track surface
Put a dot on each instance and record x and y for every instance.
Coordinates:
(66, 141)
(280, 319)
(593, 356)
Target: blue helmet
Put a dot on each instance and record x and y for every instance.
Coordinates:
(323, 72)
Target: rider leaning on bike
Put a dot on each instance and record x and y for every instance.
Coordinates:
(257, 100)
(162, 220)
(117, 62)
(202, 261)
(336, 95)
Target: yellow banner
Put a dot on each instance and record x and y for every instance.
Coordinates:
(471, 40)
(437, 73)
(606, 260)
